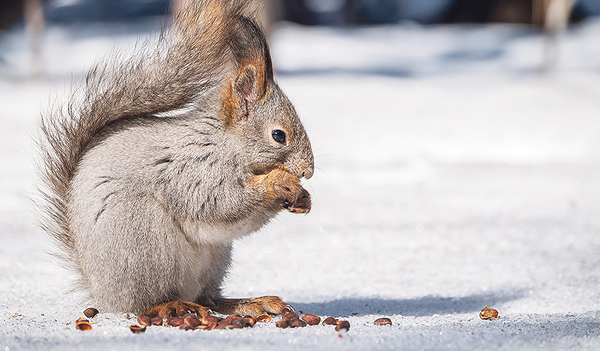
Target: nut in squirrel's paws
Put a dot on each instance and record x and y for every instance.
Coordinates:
(287, 188)
(302, 204)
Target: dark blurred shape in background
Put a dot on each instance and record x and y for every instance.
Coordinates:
(336, 12)
(313, 12)
(104, 10)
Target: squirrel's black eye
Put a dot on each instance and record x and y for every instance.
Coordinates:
(279, 136)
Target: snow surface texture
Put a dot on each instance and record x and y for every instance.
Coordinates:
(451, 176)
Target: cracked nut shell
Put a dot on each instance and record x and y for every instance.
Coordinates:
(311, 319)
(91, 312)
(137, 329)
(329, 321)
(144, 320)
(342, 325)
(383, 321)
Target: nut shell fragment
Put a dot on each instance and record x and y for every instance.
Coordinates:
(91, 312)
(156, 321)
(83, 324)
(383, 321)
(191, 321)
(173, 322)
(144, 320)
(263, 318)
(137, 329)
(291, 316)
(230, 322)
(248, 322)
(311, 319)
(330, 321)
(283, 323)
(298, 323)
(342, 325)
(488, 313)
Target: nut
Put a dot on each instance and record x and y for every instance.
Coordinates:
(83, 324)
(488, 313)
(90, 312)
(311, 319)
(342, 325)
(156, 321)
(383, 321)
(137, 329)
(145, 321)
(330, 321)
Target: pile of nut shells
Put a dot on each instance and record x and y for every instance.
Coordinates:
(293, 320)
(191, 321)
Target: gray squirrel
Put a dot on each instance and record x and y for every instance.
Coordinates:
(162, 161)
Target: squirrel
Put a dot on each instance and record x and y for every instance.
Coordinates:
(162, 161)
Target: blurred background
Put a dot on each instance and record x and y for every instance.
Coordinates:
(316, 12)
(547, 16)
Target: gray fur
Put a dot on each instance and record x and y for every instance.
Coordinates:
(147, 181)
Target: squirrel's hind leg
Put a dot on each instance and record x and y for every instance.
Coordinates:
(176, 309)
(254, 307)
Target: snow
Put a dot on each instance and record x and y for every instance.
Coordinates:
(451, 175)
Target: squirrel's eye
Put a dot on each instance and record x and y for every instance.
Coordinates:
(278, 136)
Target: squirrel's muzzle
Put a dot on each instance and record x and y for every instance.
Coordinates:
(302, 166)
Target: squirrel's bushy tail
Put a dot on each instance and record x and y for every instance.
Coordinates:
(190, 58)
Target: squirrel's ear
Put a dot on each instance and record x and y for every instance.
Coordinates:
(246, 84)
(241, 95)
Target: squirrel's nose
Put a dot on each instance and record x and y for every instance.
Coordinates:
(306, 165)
(308, 171)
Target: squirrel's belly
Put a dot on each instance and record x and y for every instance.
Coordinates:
(223, 233)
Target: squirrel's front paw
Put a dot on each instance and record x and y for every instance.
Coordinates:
(280, 186)
(288, 189)
(302, 204)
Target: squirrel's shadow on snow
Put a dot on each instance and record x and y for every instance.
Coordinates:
(419, 307)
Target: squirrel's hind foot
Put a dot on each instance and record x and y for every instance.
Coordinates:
(176, 309)
(254, 307)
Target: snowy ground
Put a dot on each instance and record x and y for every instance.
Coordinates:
(451, 176)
